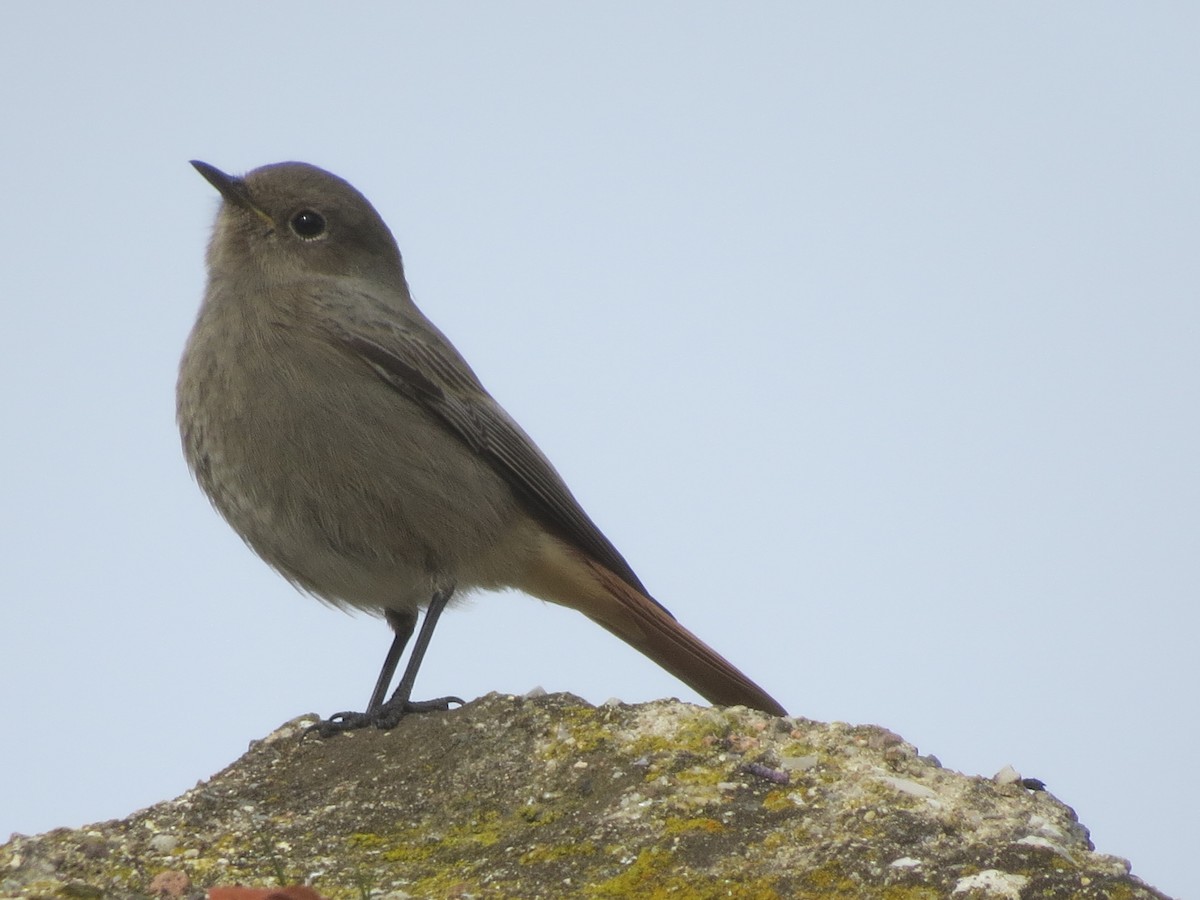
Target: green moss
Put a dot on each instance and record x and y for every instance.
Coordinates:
(831, 883)
(701, 775)
(484, 831)
(79, 890)
(830, 880)
(675, 825)
(584, 733)
(407, 853)
(537, 814)
(698, 734)
(541, 853)
(361, 840)
(797, 836)
(637, 879)
(653, 876)
(778, 800)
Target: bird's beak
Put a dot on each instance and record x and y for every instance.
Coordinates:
(234, 190)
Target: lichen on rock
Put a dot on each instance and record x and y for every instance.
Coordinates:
(551, 797)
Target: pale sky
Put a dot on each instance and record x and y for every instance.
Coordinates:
(868, 333)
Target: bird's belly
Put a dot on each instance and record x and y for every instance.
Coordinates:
(358, 511)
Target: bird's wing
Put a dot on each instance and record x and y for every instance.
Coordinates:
(423, 367)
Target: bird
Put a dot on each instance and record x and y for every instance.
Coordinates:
(351, 446)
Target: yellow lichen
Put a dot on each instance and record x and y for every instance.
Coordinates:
(542, 853)
(675, 825)
(653, 876)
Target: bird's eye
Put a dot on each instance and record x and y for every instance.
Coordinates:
(308, 224)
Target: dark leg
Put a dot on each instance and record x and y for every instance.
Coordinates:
(389, 714)
(403, 624)
(399, 703)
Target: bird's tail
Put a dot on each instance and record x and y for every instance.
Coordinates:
(569, 577)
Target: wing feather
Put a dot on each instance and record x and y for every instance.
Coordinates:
(442, 383)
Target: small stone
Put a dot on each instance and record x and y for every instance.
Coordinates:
(163, 843)
(743, 743)
(993, 883)
(170, 884)
(912, 788)
(798, 763)
(1034, 840)
(1007, 775)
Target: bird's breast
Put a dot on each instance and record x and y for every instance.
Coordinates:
(350, 489)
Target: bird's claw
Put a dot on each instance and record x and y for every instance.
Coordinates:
(385, 717)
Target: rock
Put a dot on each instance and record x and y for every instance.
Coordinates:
(547, 796)
(169, 885)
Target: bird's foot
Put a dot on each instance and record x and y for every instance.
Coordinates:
(386, 716)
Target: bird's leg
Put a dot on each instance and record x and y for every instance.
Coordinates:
(389, 714)
(399, 703)
(403, 625)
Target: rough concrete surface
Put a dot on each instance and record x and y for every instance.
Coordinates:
(551, 797)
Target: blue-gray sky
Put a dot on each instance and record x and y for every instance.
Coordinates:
(868, 333)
